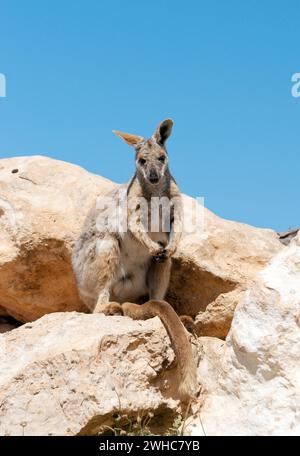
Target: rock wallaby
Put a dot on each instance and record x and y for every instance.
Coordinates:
(123, 256)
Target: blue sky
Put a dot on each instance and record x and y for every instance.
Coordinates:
(222, 70)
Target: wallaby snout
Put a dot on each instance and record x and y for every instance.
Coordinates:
(154, 176)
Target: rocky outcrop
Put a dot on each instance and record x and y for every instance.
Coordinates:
(71, 373)
(43, 204)
(251, 384)
(215, 265)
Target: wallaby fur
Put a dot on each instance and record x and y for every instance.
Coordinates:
(114, 266)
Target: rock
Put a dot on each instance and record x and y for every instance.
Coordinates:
(43, 204)
(71, 373)
(3, 312)
(210, 350)
(215, 265)
(252, 385)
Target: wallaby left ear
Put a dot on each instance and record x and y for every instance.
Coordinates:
(131, 140)
(163, 131)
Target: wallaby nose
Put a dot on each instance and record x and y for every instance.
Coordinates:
(153, 177)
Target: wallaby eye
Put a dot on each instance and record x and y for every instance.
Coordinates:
(162, 158)
(142, 161)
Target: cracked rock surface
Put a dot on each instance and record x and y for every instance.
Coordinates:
(71, 373)
(251, 383)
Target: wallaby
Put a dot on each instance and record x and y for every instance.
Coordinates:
(117, 269)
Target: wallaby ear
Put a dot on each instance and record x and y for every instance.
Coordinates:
(131, 140)
(163, 131)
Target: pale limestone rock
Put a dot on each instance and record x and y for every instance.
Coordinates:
(252, 386)
(43, 206)
(71, 373)
(215, 265)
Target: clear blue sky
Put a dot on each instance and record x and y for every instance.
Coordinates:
(221, 69)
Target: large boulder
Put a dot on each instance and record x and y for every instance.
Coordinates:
(70, 373)
(251, 384)
(214, 266)
(43, 204)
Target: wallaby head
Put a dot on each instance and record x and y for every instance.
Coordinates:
(151, 155)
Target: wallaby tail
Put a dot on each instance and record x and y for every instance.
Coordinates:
(187, 367)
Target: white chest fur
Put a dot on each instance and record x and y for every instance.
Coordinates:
(130, 282)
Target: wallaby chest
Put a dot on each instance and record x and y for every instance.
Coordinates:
(130, 282)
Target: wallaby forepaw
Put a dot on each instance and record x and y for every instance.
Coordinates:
(113, 309)
(161, 256)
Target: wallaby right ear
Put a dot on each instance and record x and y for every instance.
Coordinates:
(163, 131)
(131, 140)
